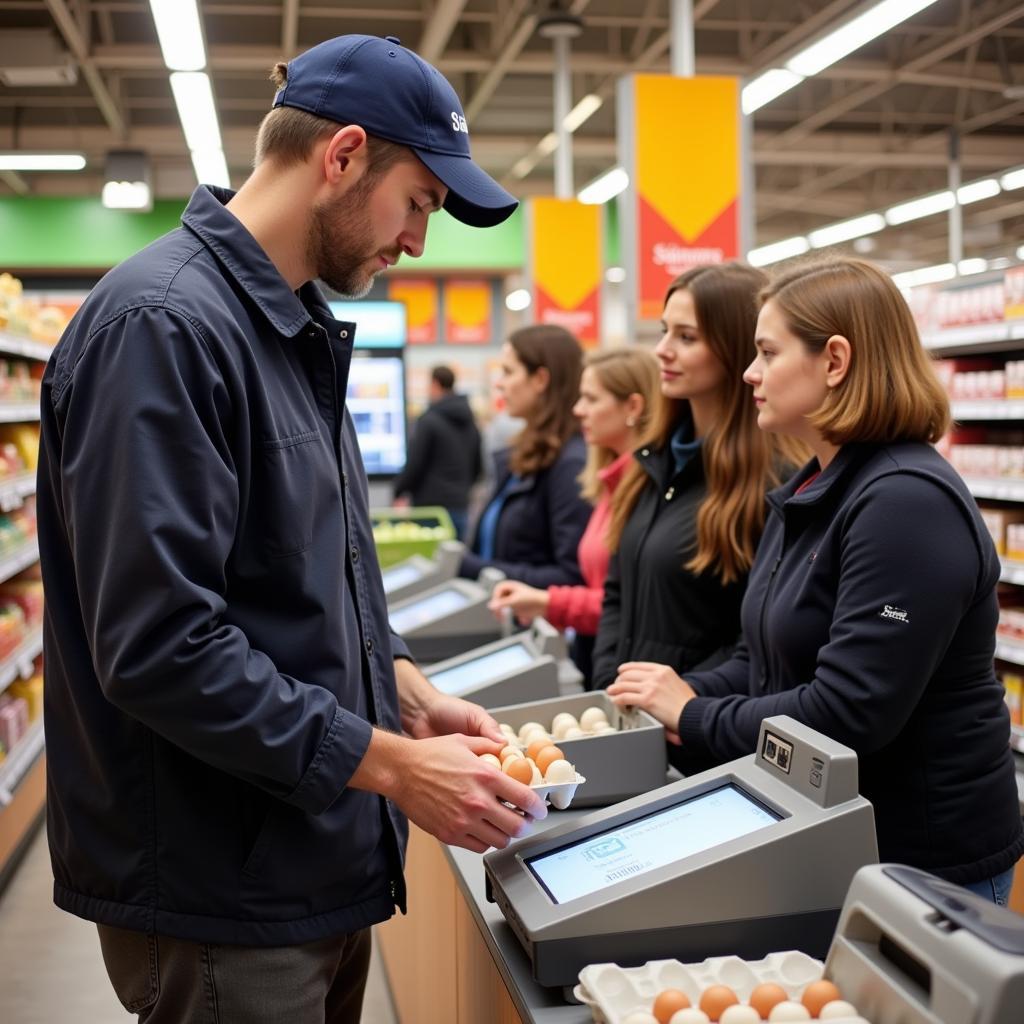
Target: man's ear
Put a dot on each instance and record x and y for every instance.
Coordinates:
(345, 155)
(838, 353)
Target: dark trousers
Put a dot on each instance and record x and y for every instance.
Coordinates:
(170, 981)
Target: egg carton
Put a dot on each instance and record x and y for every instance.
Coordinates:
(614, 992)
(558, 794)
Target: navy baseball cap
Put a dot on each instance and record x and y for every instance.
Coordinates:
(391, 92)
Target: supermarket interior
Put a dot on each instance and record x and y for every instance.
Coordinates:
(756, 666)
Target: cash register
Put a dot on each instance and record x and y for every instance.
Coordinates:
(416, 574)
(747, 858)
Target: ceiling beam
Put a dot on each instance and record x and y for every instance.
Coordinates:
(492, 78)
(290, 29)
(15, 182)
(440, 24)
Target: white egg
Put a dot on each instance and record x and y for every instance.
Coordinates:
(529, 727)
(591, 717)
(537, 777)
(691, 1015)
(510, 752)
(507, 729)
(574, 732)
(640, 1017)
(838, 1009)
(535, 734)
(560, 771)
(740, 1014)
(561, 722)
(491, 759)
(603, 728)
(789, 1011)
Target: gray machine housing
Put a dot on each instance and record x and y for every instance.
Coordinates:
(914, 949)
(542, 678)
(429, 572)
(457, 631)
(780, 887)
(616, 765)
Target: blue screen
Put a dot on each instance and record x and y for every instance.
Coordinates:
(378, 324)
(473, 674)
(427, 610)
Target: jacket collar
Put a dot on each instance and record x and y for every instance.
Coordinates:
(245, 260)
(847, 460)
(659, 463)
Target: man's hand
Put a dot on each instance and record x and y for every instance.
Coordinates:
(526, 603)
(656, 689)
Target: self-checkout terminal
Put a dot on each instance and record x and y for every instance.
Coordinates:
(750, 857)
(524, 667)
(415, 574)
(450, 618)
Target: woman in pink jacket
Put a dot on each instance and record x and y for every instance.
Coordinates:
(619, 392)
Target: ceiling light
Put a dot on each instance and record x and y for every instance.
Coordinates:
(615, 275)
(211, 167)
(518, 300)
(522, 167)
(583, 110)
(127, 181)
(999, 263)
(194, 99)
(767, 87)
(548, 144)
(925, 206)
(1013, 179)
(605, 187)
(180, 33)
(977, 265)
(846, 229)
(975, 191)
(783, 250)
(853, 35)
(925, 275)
(41, 161)
(1020, 253)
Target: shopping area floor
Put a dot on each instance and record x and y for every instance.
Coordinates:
(50, 965)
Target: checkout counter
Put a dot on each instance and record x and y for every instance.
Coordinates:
(414, 575)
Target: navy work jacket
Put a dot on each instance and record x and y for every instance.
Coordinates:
(216, 635)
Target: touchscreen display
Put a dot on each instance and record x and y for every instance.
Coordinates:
(400, 576)
(479, 670)
(426, 610)
(648, 843)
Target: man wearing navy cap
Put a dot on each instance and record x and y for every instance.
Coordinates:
(234, 735)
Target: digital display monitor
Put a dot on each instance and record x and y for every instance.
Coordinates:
(400, 576)
(650, 842)
(480, 670)
(378, 324)
(427, 609)
(376, 403)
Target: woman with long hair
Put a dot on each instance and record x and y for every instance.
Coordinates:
(871, 609)
(687, 517)
(618, 400)
(531, 526)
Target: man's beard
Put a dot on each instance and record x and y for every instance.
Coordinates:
(339, 246)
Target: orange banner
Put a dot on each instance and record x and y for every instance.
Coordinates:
(419, 294)
(467, 308)
(683, 160)
(565, 265)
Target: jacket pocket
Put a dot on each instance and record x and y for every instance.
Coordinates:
(287, 497)
(254, 862)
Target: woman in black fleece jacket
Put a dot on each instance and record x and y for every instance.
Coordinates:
(870, 611)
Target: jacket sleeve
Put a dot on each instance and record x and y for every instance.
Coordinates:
(416, 460)
(576, 608)
(605, 659)
(731, 676)
(906, 545)
(150, 497)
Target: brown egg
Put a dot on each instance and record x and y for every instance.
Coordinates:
(669, 1002)
(765, 996)
(518, 768)
(536, 747)
(716, 999)
(546, 757)
(817, 994)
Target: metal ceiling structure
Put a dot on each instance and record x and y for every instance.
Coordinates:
(870, 131)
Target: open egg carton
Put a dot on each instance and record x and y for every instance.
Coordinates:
(558, 794)
(619, 995)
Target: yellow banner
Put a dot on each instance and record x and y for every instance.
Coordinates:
(421, 307)
(467, 312)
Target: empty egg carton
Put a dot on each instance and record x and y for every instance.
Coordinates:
(614, 992)
(558, 794)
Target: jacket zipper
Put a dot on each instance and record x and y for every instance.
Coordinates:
(764, 616)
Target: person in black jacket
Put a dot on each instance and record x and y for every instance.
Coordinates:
(445, 458)
(532, 524)
(688, 514)
(871, 610)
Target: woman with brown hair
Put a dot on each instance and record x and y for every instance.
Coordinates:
(688, 515)
(532, 524)
(871, 609)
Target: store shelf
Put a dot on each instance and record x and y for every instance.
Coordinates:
(15, 345)
(22, 558)
(988, 409)
(1010, 650)
(14, 490)
(19, 412)
(1012, 572)
(21, 661)
(998, 490)
(1017, 738)
(989, 337)
(19, 761)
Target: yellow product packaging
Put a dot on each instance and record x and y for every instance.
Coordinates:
(31, 691)
(25, 437)
(1014, 685)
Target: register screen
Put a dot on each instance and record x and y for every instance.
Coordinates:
(400, 576)
(430, 608)
(648, 843)
(479, 670)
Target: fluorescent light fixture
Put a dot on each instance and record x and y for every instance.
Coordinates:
(925, 206)
(925, 275)
(1020, 253)
(194, 99)
(41, 161)
(846, 229)
(975, 191)
(518, 300)
(783, 250)
(976, 265)
(1000, 263)
(853, 35)
(211, 167)
(605, 187)
(180, 33)
(522, 167)
(582, 111)
(548, 144)
(127, 195)
(767, 87)
(1013, 179)
(615, 275)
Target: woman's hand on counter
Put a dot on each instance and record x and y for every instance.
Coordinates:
(655, 688)
(526, 603)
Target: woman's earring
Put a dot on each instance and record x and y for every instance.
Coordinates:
(631, 421)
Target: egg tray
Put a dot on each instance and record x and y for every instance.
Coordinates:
(558, 794)
(614, 992)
